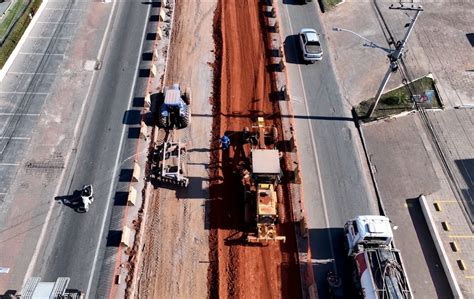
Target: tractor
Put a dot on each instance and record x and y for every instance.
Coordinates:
(174, 111)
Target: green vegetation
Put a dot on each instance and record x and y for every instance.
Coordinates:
(10, 42)
(11, 13)
(328, 4)
(399, 100)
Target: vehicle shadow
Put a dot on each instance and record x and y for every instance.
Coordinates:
(294, 2)
(292, 50)
(72, 201)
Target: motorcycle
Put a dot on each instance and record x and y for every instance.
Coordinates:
(87, 198)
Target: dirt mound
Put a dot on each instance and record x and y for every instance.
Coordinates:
(242, 88)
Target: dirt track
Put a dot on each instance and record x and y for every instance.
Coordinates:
(242, 89)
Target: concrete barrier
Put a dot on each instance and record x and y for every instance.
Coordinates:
(439, 247)
(132, 196)
(162, 15)
(147, 101)
(136, 172)
(126, 239)
(143, 131)
(153, 70)
(159, 35)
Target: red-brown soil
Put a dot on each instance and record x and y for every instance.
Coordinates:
(242, 87)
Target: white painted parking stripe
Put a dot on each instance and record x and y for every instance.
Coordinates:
(9, 164)
(24, 73)
(16, 138)
(25, 114)
(49, 37)
(68, 9)
(40, 53)
(63, 23)
(24, 92)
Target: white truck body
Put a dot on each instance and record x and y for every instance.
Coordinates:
(378, 266)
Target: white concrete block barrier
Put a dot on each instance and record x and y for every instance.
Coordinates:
(439, 247)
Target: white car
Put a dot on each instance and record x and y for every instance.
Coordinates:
(310, 45)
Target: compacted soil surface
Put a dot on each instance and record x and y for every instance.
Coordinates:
(242, 88)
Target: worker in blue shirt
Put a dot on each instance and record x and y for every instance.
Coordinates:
(225, 141)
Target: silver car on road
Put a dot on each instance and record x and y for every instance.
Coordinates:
(310, 45)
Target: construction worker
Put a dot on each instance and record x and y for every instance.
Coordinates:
(225, 141)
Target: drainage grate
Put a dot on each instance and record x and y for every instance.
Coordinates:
(48, 166)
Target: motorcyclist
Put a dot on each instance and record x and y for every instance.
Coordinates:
(87, 196)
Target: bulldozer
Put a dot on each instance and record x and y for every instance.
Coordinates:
(260, 182)
(174, 111)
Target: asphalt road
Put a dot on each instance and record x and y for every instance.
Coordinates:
(80, 240)
(335, 183)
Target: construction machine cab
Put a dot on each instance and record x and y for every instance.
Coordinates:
(174, 110)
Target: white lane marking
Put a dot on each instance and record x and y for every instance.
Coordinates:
(68, 9)
(117, 163)
(48, 37)
(24, 92)
(15, 138)
(61, 179)
(9, 164)
(57, 23)
(40, 53)
(25, 73)
(314, 148)
(22, 114)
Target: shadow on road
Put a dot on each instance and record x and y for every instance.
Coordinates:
(428, 249)
(327, 259)
(72, 201)
(292, 50)
(294, 2)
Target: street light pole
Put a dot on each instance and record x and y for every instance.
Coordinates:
(393, 54)
(394, 57)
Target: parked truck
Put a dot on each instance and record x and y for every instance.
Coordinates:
(378, 267)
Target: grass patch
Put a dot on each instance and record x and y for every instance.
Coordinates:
(11, 41)
(11, 14)
(328, 4)
(399, 100)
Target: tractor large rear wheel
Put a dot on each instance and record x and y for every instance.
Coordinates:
(185, 120)
(162, 120)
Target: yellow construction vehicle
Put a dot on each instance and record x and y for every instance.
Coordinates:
(260, 182)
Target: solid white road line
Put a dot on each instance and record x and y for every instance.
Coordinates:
(40, 53)
(22, 114)
(24, 92)
(314, 148)
(25, 73)
(117, 162)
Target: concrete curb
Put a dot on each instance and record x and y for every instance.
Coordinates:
(8, 64)
(439, 247)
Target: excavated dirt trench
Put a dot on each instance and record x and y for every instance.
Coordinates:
(242, 88)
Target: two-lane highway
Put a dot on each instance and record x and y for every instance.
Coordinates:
(76, 244)
(335, 182)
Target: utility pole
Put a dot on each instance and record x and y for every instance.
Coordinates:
(395, 55)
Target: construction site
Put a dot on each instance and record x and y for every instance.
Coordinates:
(219, 220)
